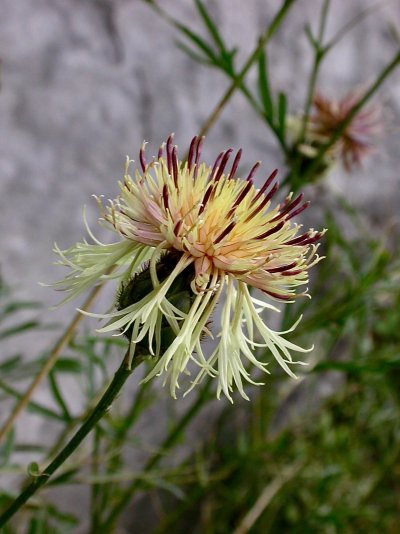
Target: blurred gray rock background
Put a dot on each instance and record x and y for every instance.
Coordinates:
(83, 82)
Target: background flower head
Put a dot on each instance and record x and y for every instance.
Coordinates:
(359, 138)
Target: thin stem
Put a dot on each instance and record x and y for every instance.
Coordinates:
(49, 364)
(352, 23)
(319, 53)
(170, 440)
(96, 489)
(266, 496)
(238, 80)
(99, 411)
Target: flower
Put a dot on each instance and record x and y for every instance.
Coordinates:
(192, 233)
(358, 139)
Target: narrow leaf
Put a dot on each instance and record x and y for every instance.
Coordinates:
(263, 86)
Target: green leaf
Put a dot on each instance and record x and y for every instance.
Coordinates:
(6, 448)
(200, 43)
(212, 28)
(21, 305)
(68, 365)
(19, 329)
(64, 478)
(32, 406)
(10, 364)
(263, 86)
(226, 56)
(193, 55)
(57, 395)
(282, 114)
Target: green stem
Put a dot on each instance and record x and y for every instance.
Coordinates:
(99, 411)
(170, 440)
(238, 80)
(319, 53)
(96, 488)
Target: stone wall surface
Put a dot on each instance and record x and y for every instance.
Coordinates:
(83, 82)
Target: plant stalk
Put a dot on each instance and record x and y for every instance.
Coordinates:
(120, 377)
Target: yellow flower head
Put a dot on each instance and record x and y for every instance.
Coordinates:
(193, 233)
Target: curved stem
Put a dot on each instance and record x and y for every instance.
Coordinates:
(319, 53)
(98, 412)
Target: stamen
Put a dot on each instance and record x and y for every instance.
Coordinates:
(177, 227)
(169, 153)
(253, 171)
(142, 158)
(299, 210)
(199, 145)
(304, 239)
(298, 240)
(267, 198)
(175, 166)
(235, 164)
(216, 165)
(191, 152)
(282, 268)
(222, 166)
(165, 196)
(227, 230)
(278, 296)
(206, 197)
(240, 197)
(271, 231)
(292, 273)
(266, 184)
(289, 208)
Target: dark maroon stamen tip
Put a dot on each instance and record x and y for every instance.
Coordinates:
(191, 152)
(165, 196)
(216, 165)
(206, 197)
(299, 210)
(227, 230)
(199, 146)
(289, 207)
(271, 231)
(177, 227)
(235, 164)
(278, 296)
(264, 202)
(304, 239)
(282, 268)
(292, 273)
(267, 183)
(169, 153)
(174, 158)
(142, 159)
(298, 240)
(222, 166)
(240, 197)
(253, 170)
